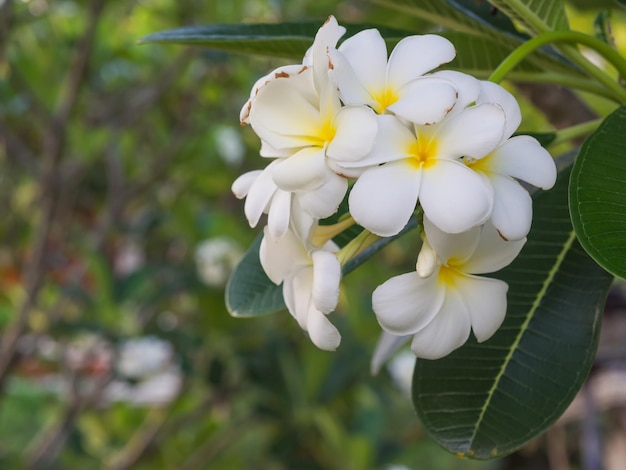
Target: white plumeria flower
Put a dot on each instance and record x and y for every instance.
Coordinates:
(520, 157)
(411, 163)
(284, 208)
(326, 37)
(310, 277)
(312, 129)
(444, 299)
(363, 75)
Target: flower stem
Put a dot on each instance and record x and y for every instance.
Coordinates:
(578, 130)
(569, 37)
(356, 246)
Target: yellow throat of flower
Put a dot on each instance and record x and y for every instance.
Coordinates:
(422, 152)
(384, 99)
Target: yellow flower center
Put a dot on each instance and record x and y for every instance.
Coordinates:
(324, 133)
(384, 99)
(422, 152)
(482, 165)
(447, 275)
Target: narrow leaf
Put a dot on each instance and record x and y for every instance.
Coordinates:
(249, 291)
(487, 400)
(290, 40)
(598, 194)
(537, 16)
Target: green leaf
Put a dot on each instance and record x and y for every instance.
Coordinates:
(289, 40)
(537, 16)
(598, 194)
(482, 38)
(487, 400)
(249, 292)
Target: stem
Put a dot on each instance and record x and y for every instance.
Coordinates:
(578, 83)
(570, 37)
(578, 130)
(356, 246)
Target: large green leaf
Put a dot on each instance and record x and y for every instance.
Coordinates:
(479, 33)
(458, 15)
(249, 291)
(289, 40)
(598, 194)
(486, 400)
(537, 16)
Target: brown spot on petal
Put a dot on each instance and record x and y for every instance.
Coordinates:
(328, 20)
(304, 67)
(502, 236)
(281, 75)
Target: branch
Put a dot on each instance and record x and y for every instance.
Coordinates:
(53, 146)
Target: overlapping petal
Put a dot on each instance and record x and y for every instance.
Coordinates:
(304, 171)
(425, 100)
(356, 128)
(447, 331)
(454, 197)
(522, 157)
(326, 278)
(492, 252)
(324, 201)
(321, 331)
(405, 304)
(512, 208)
(384, 197)
(414, 56)
(485, 300)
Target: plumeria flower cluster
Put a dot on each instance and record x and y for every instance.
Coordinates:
(411, 140)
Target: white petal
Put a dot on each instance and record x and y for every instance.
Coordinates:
(279, 214)
(492, 252)
(268, 151)
(242, 184)
(329, 103)
(283, 113)
(301, 222)
(386, 347)
(324, 201)
(512, 208)
(413, 56)
(366, 52)
(326, 278)
(351, 90)
(454, 197)
(468, 88)
(458, 246)
(303, 171)
(522, 157)
(475, 132)
(384, 197)
(280, 72)
(322, 332)
(281, 257)
(326, 37)
(494, 93)
(392, 141)
(446, 332)
(425, 100)
(407, 303)
(355, 133)
(485, 299)
(297, 294)
(259, 195)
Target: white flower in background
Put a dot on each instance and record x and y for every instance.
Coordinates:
(444, 299)
(215, 260)
(411, 163)
(520, 157)
(363, 75)
(229, 145)
(284, 207)
(142, 357)
(310, 277)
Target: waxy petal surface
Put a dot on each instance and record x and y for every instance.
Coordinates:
(384, 197)
(407, 303)
(522, 157)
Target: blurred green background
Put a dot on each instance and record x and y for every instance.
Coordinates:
(117, 237)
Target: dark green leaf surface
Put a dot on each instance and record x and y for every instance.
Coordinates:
(289, 40)
(598, 194)
(487, 400)
(537, 16)
(249, 291)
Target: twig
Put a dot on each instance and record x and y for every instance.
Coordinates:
(53, 146)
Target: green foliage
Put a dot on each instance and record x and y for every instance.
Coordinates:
(598, 194)
(509, 389)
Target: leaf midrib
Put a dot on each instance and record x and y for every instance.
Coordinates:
(540, 295)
